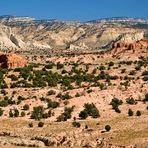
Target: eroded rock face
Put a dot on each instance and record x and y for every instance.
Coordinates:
(126, 50)
(50, 35)
(12, 61)
(143, 44)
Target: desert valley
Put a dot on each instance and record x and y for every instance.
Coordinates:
(73, 84)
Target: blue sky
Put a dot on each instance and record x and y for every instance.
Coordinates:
(79, 10)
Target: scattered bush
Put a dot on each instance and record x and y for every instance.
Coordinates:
(146, 97)
(26, 107)
(1, 112)
(145, 78)
(130, 112)
(115, 104)
(11, 114)
(30, 124)
(3, 91)
(51, 92)
(13, 77)
(132, 72)
(66, 115)
(86, 126)
(49, 65)
(107, 128)
(111, 64)
(89, 91)
(76, 124)
(123, 70)
(131, 101)
(37, 113)
(145, 73)
(102, 67)
(138, 113)
(89, 110)
(23, 114)
(52, 104)
(77, 94)
(40, 124)
(59, 65)
(83, 114)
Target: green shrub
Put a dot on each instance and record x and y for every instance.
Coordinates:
(26, 107)
(89, 110)
(30, 124)
(117, 110)
(145, 78)
(11, 113)
(1, 112)
(77, 94)
(86, 126)
(61, 118)
(132, 72)
(130, 112)
(13, 77)
(89, 91)
(51, 92)
(49, 113)
(101, 86)
(131, 101)
(23, 114)
(76, 124)
(52, 104)
(123, 70)
(111, 64)
(65, 96)
(59, 65)
(40, 124)
(146, 97)
(83, 114)
(3, 91)
(95, 113)
(115, 103)
(66, 115)
(4, 103)
(45, 115)
(49, 66)
(16, 112)
(107, 128)
(138, 67)
(145, 73)
(20, 98)
(138, 113)
(102, 67)
(37, 112)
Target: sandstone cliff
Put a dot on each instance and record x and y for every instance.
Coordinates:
(127, 50)
(11, 61)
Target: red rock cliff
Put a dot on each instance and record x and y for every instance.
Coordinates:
(12, 61)
(125, 50)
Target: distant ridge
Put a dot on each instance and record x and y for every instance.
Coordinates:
(109, 19)
(119, 19)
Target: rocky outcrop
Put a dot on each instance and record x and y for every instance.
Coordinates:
(71, 140)
(143, 44)
(126, 50)
(132, 37)
(11, 61)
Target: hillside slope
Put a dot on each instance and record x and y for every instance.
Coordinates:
(25, 33)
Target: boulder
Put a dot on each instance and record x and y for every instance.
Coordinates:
(12, 61)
